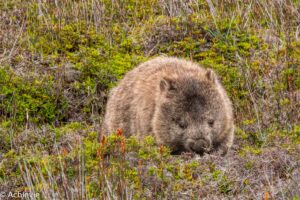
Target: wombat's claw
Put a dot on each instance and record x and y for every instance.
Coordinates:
(223, 151)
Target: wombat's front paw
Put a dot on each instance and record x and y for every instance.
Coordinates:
(223, 150)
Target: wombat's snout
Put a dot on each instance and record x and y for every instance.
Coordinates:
(199, 145)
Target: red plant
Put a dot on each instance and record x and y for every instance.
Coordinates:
(123, 146)
(64, 151)
(140, 164)
(266, 195)
(103, 140)
(119, 132)
(161, 149)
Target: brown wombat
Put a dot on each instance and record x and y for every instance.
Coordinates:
(181, 104)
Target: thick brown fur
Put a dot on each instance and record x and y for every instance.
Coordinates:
(181, 104)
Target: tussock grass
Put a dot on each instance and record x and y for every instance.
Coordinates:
(58, 59)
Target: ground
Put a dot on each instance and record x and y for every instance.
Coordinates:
(59, 59)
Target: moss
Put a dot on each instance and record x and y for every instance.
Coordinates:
(102, 56)
(249, 165)
(295, 198)
(60, 59)
(225, 185)
(29, 100)
(248, 149)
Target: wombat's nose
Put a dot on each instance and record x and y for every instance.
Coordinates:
(200, 146)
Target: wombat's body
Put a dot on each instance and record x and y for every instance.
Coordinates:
(178, 102)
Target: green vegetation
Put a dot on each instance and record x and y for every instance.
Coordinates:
(58, 60)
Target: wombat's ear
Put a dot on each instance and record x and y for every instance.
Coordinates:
(167, 84)
(211, 76)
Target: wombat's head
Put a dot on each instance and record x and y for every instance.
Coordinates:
(191, 112)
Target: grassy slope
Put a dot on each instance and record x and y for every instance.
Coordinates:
(57, 62)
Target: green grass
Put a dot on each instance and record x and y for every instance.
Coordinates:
(58, 60)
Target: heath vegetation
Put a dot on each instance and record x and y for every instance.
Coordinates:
(58, 60)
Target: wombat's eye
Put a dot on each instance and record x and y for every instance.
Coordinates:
(181, 123)
(211, 123)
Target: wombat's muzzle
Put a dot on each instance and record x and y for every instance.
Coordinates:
(199, 146)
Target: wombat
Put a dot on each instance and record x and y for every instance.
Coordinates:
(181, 104)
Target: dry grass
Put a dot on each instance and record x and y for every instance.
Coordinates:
(58, 59)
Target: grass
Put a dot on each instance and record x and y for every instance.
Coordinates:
(59, 59)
